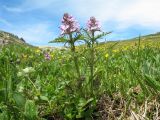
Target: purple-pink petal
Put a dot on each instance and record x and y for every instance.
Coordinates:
(93, 25)
(69, 24)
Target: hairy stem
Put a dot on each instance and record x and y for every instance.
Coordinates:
(92, 63)
(75, 58)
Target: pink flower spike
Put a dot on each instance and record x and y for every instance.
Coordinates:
(93, 25)
(69, 24)
(47, 56)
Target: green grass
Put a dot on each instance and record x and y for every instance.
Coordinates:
(126, 82)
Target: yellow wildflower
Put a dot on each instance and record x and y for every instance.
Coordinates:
(125, 48)
(142, 46)
(31, 56)
(107, 55)
(37, 51)
(24, 56)
(52, 55)
(115, 51)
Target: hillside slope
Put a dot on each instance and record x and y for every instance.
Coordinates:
(149, 37)
(7, 38)
(144, 40)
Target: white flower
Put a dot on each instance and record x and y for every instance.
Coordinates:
(28, 70)
(25, 71)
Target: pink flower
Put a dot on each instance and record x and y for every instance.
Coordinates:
(47, 56)
(69, 24)
(93, 25)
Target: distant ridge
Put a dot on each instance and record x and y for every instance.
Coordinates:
(8, 38)
(149, 37)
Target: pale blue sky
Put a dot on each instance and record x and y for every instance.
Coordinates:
(37, 21)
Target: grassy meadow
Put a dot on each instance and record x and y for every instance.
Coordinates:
(42, 84)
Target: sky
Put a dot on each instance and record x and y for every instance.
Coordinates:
(38, 21)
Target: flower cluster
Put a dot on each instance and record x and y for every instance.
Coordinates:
(106, 55)
(47, 56)
(93, 25)
(25, 71)
(69, 24)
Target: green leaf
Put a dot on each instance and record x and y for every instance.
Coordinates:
(1, 84)
(3, 116)
(84, 103)
(79, 37)
(19, 99)
(87, 37)
(152, 83)
(82, 106)
(102, 35)
(44, 98)
(2, 98)
(79, 115)
(30, 110)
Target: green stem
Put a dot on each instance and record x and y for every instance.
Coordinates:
(139, 57)
(74, 55)
(33, 85)
(92, 62)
